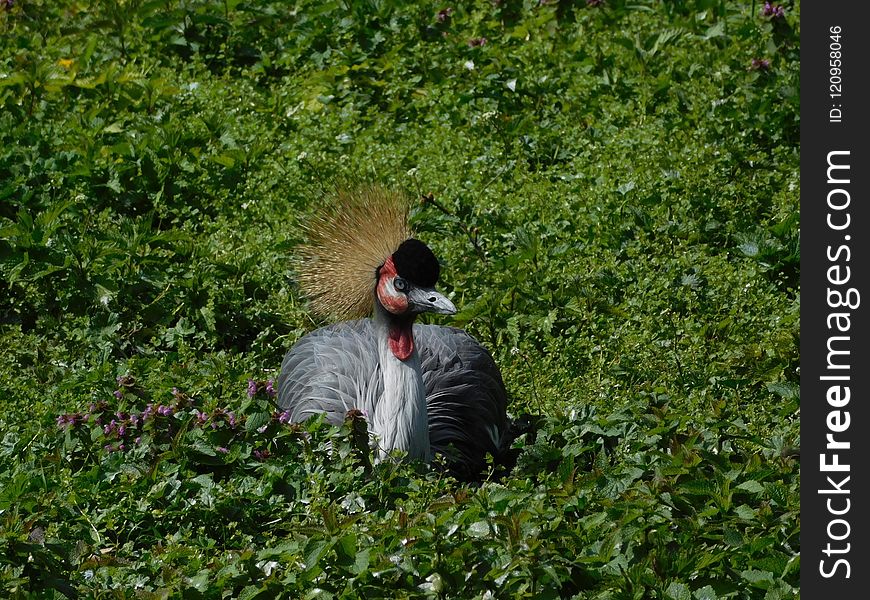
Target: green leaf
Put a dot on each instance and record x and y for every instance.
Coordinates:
(626, 187)
(224, 159)
(705, 593)
(257, 420)
(315, 549)
(715, 30)
(750, 486)
(346, 546)
(200, 581)
(361, 561)
(678, 591)
(759, 579)
(745, 512)
(732, 537)
(252, 591)
(116, 127)
(478, 529)
(205, 481)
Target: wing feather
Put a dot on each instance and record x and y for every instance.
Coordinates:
(331, 370)
(465, 394)
(334, 369)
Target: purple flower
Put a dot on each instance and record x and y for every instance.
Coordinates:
(231, 420)
(138, 440)
(67, 420)
(270, 388)
(222, 450)
(284, 417)
(252, 388)
(122, 431)
(443, 15)
(118, 394)
(477, 42)
(166, 411)
(201, 417)
(134, 420)
(148, 412)
(760, 64)
(262, 454)
(774, 11)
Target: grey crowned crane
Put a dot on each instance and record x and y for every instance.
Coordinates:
(424, 389)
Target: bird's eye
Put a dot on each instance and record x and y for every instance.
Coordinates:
(400, 284)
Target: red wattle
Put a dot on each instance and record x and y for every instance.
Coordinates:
(401, 341)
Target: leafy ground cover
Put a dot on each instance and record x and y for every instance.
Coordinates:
(612, 188)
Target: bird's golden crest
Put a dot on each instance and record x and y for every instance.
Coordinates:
(357, 231)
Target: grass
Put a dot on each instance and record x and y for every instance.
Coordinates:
(612, 189)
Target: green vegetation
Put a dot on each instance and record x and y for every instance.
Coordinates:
(612, 188)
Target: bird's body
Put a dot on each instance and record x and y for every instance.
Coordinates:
(423, 389)
(463, 399)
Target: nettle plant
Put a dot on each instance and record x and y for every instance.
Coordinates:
(129, 424)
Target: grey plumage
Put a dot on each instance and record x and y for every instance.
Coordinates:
(337, 368)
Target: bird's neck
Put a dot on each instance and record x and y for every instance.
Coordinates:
(400, 420)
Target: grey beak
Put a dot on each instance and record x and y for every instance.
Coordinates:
(428, 300)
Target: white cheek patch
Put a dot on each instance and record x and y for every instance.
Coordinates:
(394, 301)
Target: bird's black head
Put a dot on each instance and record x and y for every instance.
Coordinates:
(415, 262)
(406, 284)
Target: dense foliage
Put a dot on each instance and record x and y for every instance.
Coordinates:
(612, 188)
